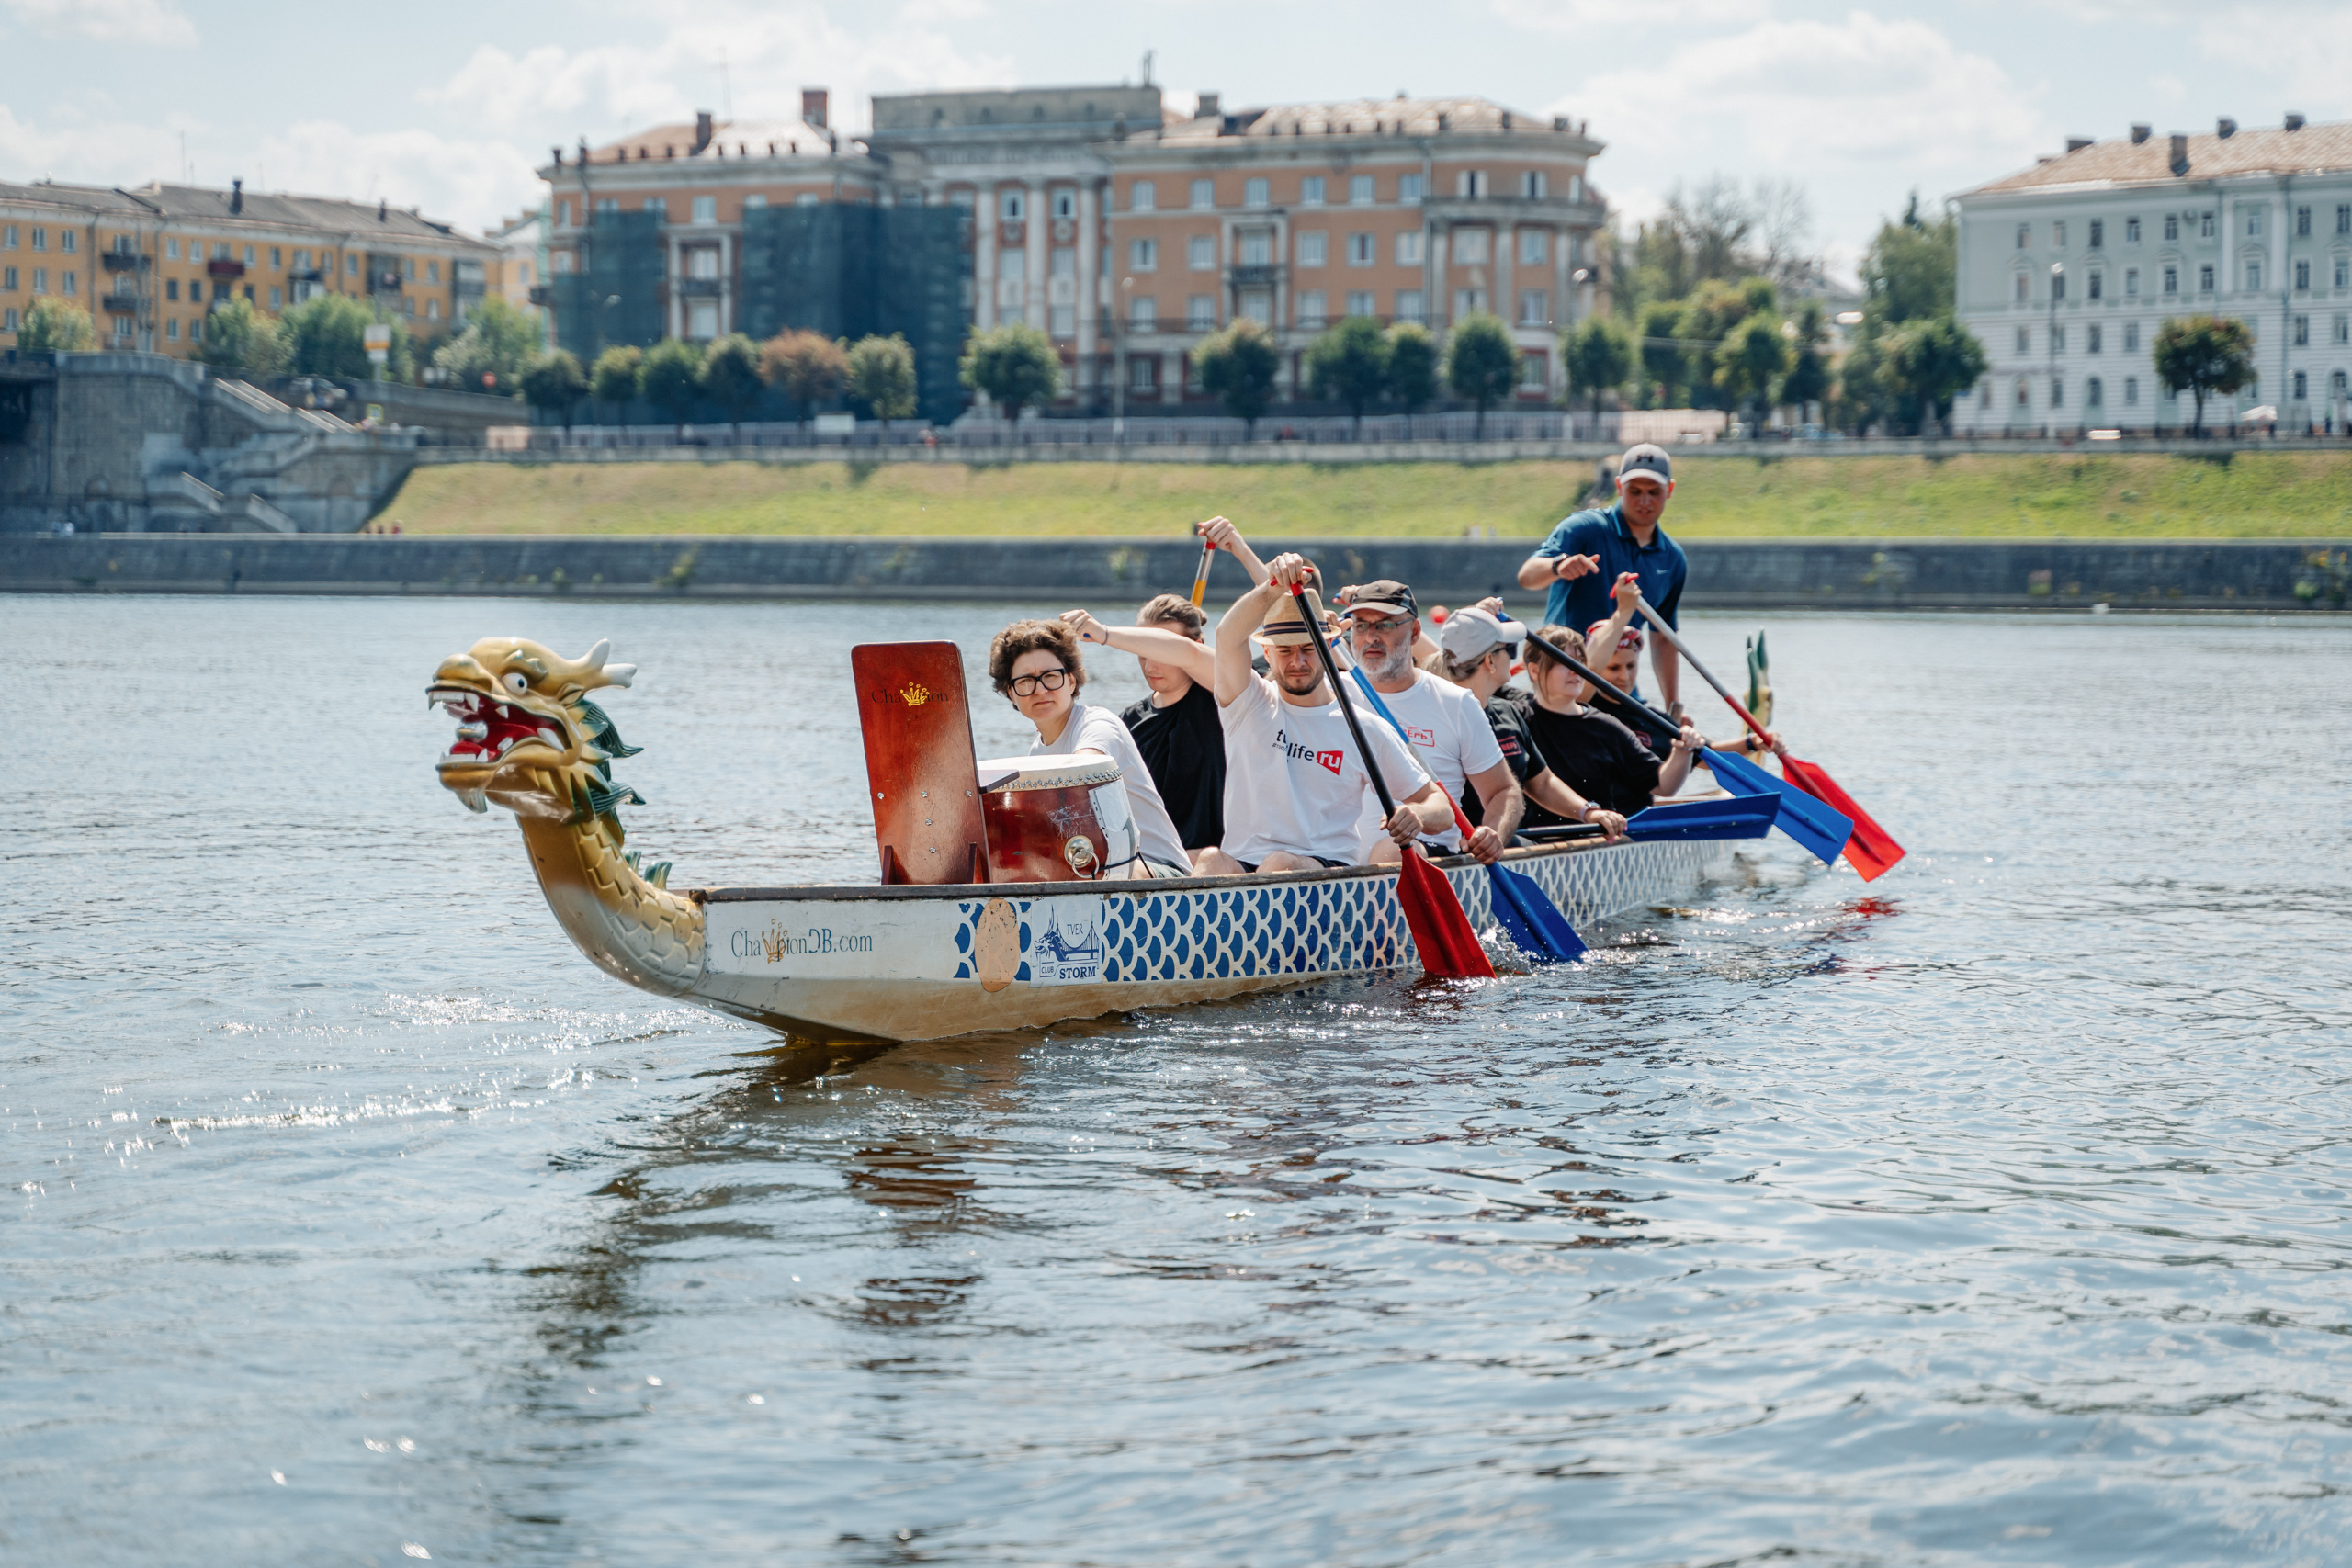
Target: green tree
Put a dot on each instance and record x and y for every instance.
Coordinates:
(1665, 371)
(327, 335)
(240, 336)
(808, 367)
(1910, 271)
(489, 356)
(1929, 362)
(1014, 365)
(730, 377)
(556, 382)
(1481, 364)
(1413, 364)
(670, 379)
(52, 326)
(2202, 355)
(1861, 397)
(1349, 364)
(882, 376)
(1807, 382)
(1597, 358)
(1237, 366)
(1749, 363)
(615, 381)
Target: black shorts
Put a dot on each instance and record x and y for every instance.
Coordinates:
(1326, 864)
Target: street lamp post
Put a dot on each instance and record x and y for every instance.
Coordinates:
(1119, 363)
(2057, 287)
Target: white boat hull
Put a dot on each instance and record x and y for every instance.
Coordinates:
(924, 962)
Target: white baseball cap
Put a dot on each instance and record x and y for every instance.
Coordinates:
(1472, 633)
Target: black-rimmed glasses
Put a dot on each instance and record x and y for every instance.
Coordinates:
(1050, 680)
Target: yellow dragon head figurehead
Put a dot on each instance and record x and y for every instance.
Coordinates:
(527, 735)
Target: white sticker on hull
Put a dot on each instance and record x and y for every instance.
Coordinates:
(1066, 946)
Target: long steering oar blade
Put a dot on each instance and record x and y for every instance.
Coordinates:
(1808, 821)
(1871, 850)
(1522, 909)
(1448, 948)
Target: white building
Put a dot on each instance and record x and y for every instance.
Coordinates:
(2068, 269)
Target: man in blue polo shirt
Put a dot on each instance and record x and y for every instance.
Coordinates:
(1583, 556)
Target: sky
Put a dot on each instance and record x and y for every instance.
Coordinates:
(448, 106)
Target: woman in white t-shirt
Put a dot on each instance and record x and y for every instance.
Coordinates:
(1035, 664)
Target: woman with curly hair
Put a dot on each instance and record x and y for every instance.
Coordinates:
(1035, 665)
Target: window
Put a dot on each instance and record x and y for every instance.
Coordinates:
(8, 240)
(2094, 394)
(2097, 289)
(73, 282)
(608, 204)
(2303, 386)
(196, 330)
(433, 309)
(2172, 280)
(2254, 222)
(66, 239)
(2204, 225)
(40, 238)
(806, 199)
(2057, 340)
(2302, 330)
(1061, 321)
(1200, 253)
(1200, 313)
(2344, 218)
(1013, 264)
(171, 329)
(1533, 244)
(2058, 235)
(2343, 332)
(2130, 391)
(2252, 274)
(1314, 248)
(2130, 337)
(1530, 185)
(702, 262)
(1535, 370)
(1359, 190)
(658, 206)
(562, 261)
(1257, 305)
(705, 209)
(433, 272)
(2131, 283)
(1063, 262)
(2094, 339)
(2023, 284)
(563, 214)
(1143, 256)
(1065, 203)
(277, 298)
(2302, 276)
(1203, 193)
(1410, 188)
(171, 285)
(2172, 226)
(2205, 279)
(1143, 314)
(1534, 308)
(1011, 206)
(1360, 302)
(8, 281)
(1143, 374)
(2098, 232)
(1471, 246)
(1470, 183)
(1143, 197)
(351, 265)
(1469, 302)
(2343, 272)
(702, 319)
(2025, 340)
(2025, 235)
(2057, 286)
(2131, 231)
(1311, 191)
(2303, 223)
(301, 261)
(408, 268)
(1255, 192)
(2057, 393)
(1257, 248)
(1409, 307)
(755, 201)
(1360, 250)
(1412, 246)
(1311, 309)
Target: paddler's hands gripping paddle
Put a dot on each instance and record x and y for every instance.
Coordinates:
(1448, 948)
(1815, 826)
(1872, 852)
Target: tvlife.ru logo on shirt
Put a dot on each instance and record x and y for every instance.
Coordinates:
(1297, 753)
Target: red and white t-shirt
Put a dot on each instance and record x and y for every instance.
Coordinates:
(1293, 780)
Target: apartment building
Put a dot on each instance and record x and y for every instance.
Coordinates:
(518, 272)
(2067, 270)
(1123, 231)
(149, 265)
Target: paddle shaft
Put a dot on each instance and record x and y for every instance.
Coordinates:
(1364, 685)
(1650, 718)
(1658, 625)
(1201, 578)
(1347, 708)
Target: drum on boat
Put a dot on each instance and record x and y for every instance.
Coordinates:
(1061, 818)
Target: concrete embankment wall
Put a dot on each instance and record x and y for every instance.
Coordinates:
(1843, 574)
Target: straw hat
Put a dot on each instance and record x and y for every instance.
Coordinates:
(1283, 626)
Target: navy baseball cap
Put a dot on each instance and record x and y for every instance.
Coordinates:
(1648, 459)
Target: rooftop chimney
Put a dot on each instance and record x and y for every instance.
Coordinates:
(2225, 127)
(382, 210)
(2179, 153)
(1209, 108)
(2077, 144)
(559, 156)
(236, 195)
(2294, 120)
(812, 107)
(702, 130)
(2141, 131)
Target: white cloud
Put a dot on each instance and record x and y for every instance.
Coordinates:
(78, 149)
(1649, 17)
(2312, 71)
(155, 23)
(470, 182)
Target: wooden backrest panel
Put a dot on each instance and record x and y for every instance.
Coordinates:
(920, 777)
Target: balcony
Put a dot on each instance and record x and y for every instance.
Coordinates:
(385, 282)
(220, 267)
(120, 304)
(123, 261)
(1253, 275)
(700, 288)
(540, 294)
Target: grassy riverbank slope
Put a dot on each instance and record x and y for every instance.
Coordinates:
(2266, 495)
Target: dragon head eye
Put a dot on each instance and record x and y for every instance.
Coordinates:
(518, 682)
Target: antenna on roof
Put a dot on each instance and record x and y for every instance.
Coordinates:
(1146, 65)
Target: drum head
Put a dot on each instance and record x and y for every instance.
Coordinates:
(1082, 770)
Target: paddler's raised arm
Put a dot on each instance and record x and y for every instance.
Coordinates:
(1220, 532)
(1233, 673)
(1147, 642)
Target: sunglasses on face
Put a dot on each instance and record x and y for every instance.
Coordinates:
(1028, 685)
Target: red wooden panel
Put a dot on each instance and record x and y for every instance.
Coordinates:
(920, 776)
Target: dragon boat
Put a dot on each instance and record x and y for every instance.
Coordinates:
(961, 934)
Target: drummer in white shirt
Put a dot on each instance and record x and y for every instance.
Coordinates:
(1035, 665)
(1294, 785)
(1452, 739)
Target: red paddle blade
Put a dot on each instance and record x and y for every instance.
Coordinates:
(1449, 947)
(1872, 852)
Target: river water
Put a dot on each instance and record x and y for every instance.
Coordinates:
(1997, 1214)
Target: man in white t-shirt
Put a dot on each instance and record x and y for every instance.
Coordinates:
(1294, 783)
(1452, 740)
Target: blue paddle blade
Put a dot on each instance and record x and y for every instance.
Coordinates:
(1507, 917)
(1741, 816)
(1549, 938)
(1819, 827)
